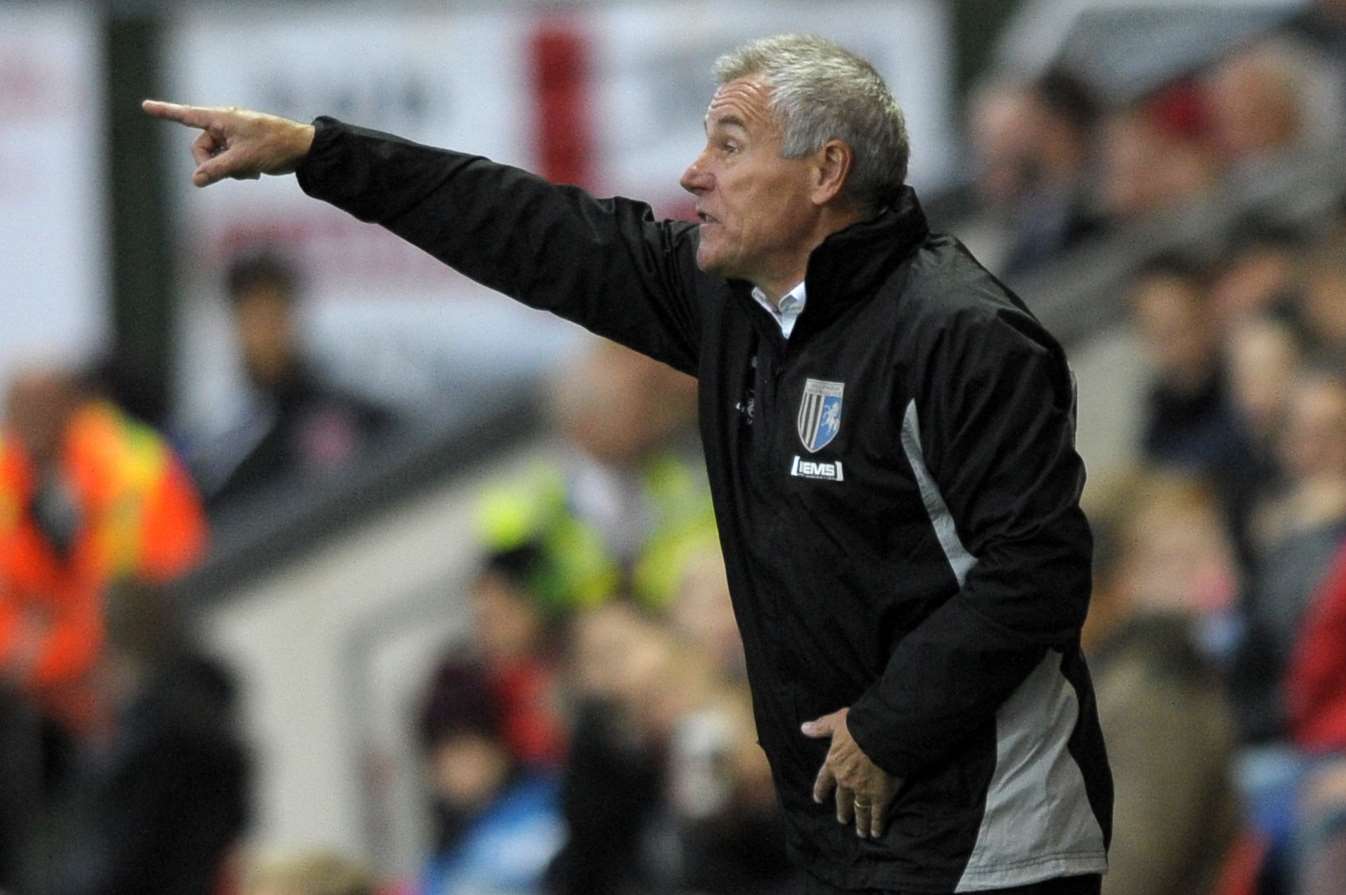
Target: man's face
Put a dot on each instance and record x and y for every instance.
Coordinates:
(265, 325)
(1181, 342)
(509, 624)
(467, 769)
(756, 213)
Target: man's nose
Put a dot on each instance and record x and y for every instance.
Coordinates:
(695, 180)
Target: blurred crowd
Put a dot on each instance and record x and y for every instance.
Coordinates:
(597, 736)
(124, 768)
(595, 733)
(1213, 629)
(1215, 625)
(1059, 160)
(1215, 634)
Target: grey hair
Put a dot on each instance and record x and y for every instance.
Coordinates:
(821, 91)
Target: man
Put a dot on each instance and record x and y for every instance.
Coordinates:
(158, 798)
(298, 425)
(1161, 701)
(909, 576)
(498, 822)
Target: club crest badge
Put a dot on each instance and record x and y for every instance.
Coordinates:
(819, 413)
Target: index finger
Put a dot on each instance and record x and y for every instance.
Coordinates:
(193, 116)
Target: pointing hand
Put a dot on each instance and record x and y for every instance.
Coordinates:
(236, 142)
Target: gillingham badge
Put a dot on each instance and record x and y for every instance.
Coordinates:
(819, 413)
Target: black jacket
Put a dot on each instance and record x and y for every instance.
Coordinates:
(896, 489)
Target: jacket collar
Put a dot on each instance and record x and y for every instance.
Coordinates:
(850, 265)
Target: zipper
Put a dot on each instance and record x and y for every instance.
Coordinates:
(771, 369)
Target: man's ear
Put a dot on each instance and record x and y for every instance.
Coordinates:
(832, 165)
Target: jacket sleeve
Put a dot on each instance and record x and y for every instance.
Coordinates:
(992, 422)
(605, 264)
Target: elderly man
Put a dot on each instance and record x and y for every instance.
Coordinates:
(889, 439)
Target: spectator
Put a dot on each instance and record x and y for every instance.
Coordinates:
(729, 829)
(1163, 709)
(1263, 102)
(1035, 148)
(1264, 355)
(632, 686)
(623, 513)
(730, 832)
(498, 823)
(1257, 274)
(518, 637)
(307, 873)
(86, 496)
(1316, 678)
(301, 425)
(623, 509)
(1190, 422)
(157, 799)
(1300, 533)
(666, 789)
(1153, 156)
(1002, 138)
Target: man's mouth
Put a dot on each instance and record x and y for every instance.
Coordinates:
(705, 218)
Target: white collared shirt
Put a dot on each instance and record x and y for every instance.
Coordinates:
(791, 305)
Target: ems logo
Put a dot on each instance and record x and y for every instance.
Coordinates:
(819, 413)
(816, 469)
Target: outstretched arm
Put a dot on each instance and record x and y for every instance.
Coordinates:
(237, 143)
(605, 264)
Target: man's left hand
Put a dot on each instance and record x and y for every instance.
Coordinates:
(862, 789)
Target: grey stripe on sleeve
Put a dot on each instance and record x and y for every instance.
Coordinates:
(945, 531)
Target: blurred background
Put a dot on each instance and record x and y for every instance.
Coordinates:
(324, 570)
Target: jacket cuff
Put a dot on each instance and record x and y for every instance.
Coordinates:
(323, 158)
(866, 724)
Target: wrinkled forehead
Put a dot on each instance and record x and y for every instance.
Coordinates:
(744, 103)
